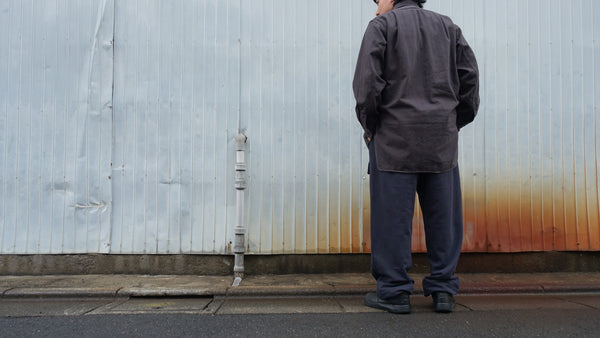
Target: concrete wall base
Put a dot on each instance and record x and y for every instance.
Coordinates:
(284, 264)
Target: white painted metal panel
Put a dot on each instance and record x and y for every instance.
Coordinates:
(537, 62)
(188, 75)
(176, 116)
(281, 72)
(55, 125)
(306, 157)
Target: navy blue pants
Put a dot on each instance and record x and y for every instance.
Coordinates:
(392, 210)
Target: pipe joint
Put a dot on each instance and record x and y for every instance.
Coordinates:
(240, 142)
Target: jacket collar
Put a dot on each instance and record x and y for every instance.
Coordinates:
(406, 3)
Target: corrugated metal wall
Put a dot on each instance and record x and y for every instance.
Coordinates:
(176, 101)
(539, 112)
(55, 126)
(189, 74)
(307, 165)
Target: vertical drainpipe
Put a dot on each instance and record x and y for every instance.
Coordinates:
(240, 228)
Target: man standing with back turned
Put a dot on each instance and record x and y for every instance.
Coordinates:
(416, 84)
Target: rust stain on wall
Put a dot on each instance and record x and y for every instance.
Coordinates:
(507, 220)
(356, 245)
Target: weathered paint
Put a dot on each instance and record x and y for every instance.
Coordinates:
(55, 126)
(148, 167)
(176, 101)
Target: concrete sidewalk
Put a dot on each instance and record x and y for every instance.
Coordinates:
(103, 286)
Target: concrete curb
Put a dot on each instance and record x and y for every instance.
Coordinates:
(169, 292)
(328, 285)
(275, 292)
(282, 290)
(61, 293)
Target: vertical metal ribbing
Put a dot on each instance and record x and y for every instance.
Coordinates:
(240, 227)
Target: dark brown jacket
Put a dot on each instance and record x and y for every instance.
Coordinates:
(416, 84)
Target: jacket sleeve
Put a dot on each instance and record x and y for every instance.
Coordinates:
(468, 74)
(368, 80)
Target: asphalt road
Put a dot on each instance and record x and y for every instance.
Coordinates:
(506, 323)
(517, 315)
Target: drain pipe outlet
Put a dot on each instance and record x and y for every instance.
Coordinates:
(240, 227)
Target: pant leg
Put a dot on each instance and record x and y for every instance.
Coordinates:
(441, 203)
(392, 210)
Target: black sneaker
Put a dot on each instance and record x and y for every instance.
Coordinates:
(443, 302)
(399, 304)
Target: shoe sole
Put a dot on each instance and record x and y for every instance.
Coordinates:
(443, 307)
(396, 309)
